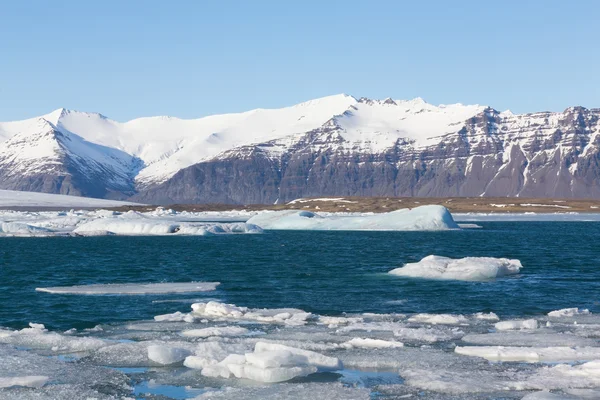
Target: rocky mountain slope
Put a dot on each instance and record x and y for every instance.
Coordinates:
(334, 146)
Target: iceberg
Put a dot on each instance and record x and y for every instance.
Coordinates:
(424, 218)
(463, 269)
(133, 288)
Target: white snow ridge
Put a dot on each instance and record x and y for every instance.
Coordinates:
(464, 269)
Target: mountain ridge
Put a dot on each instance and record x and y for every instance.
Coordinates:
(336, 145)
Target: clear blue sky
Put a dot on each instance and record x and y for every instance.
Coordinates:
(188, 59)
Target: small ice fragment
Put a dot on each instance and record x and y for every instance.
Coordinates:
(166, 355)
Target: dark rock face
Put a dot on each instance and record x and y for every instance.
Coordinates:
(67, 165)
(533, 155)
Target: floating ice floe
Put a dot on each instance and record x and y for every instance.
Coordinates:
(441, 319)
(287, 316)
(528, 338)
(133, 288)
(568, 312)
(464, 269)
(38, 337)
(269, 363)
(220, 331)
(516, 324)
(368, 343)
(419, 218)
(531, 354)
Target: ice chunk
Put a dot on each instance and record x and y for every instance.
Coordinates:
(142, 354)
(268, 363)
(273, 359)
(270, 375)
(133, 288)
(568, 312)
(441, 319)
(562, 376)
(530, 354)
(320, 361)
(32, 381)
(527, 338)
(37, 337)
(428, 335)
(287, 316)
(431, 217)
(486, 316)
(516, 324)
(464, 269)
(216, 331)
(167, 355)
(175, 317)
(372, 343)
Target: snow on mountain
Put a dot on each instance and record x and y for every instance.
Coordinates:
(336, 145)
(40, 156)
(380, 123)
(165, 145)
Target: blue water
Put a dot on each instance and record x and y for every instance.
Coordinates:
(322, 272)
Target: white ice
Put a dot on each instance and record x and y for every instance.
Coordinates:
(516, 324)
(167, 355)
(216, 331)
(32, 381)
(464, 269)
(133, 288)
(531, 354)
(216, 310)
(105, 222)
(441, 319)
(568, 312)
(367, 343)
(419, 218)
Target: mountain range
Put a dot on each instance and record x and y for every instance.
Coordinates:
(332, 146)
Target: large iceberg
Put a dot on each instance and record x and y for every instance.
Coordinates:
(464, 269)
(424, 218)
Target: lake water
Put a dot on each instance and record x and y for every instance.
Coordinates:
(324, 273)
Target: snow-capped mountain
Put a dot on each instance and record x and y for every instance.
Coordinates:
(337, 145)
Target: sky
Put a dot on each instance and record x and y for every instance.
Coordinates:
(188, 59)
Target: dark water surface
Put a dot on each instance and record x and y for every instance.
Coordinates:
(322, 272)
